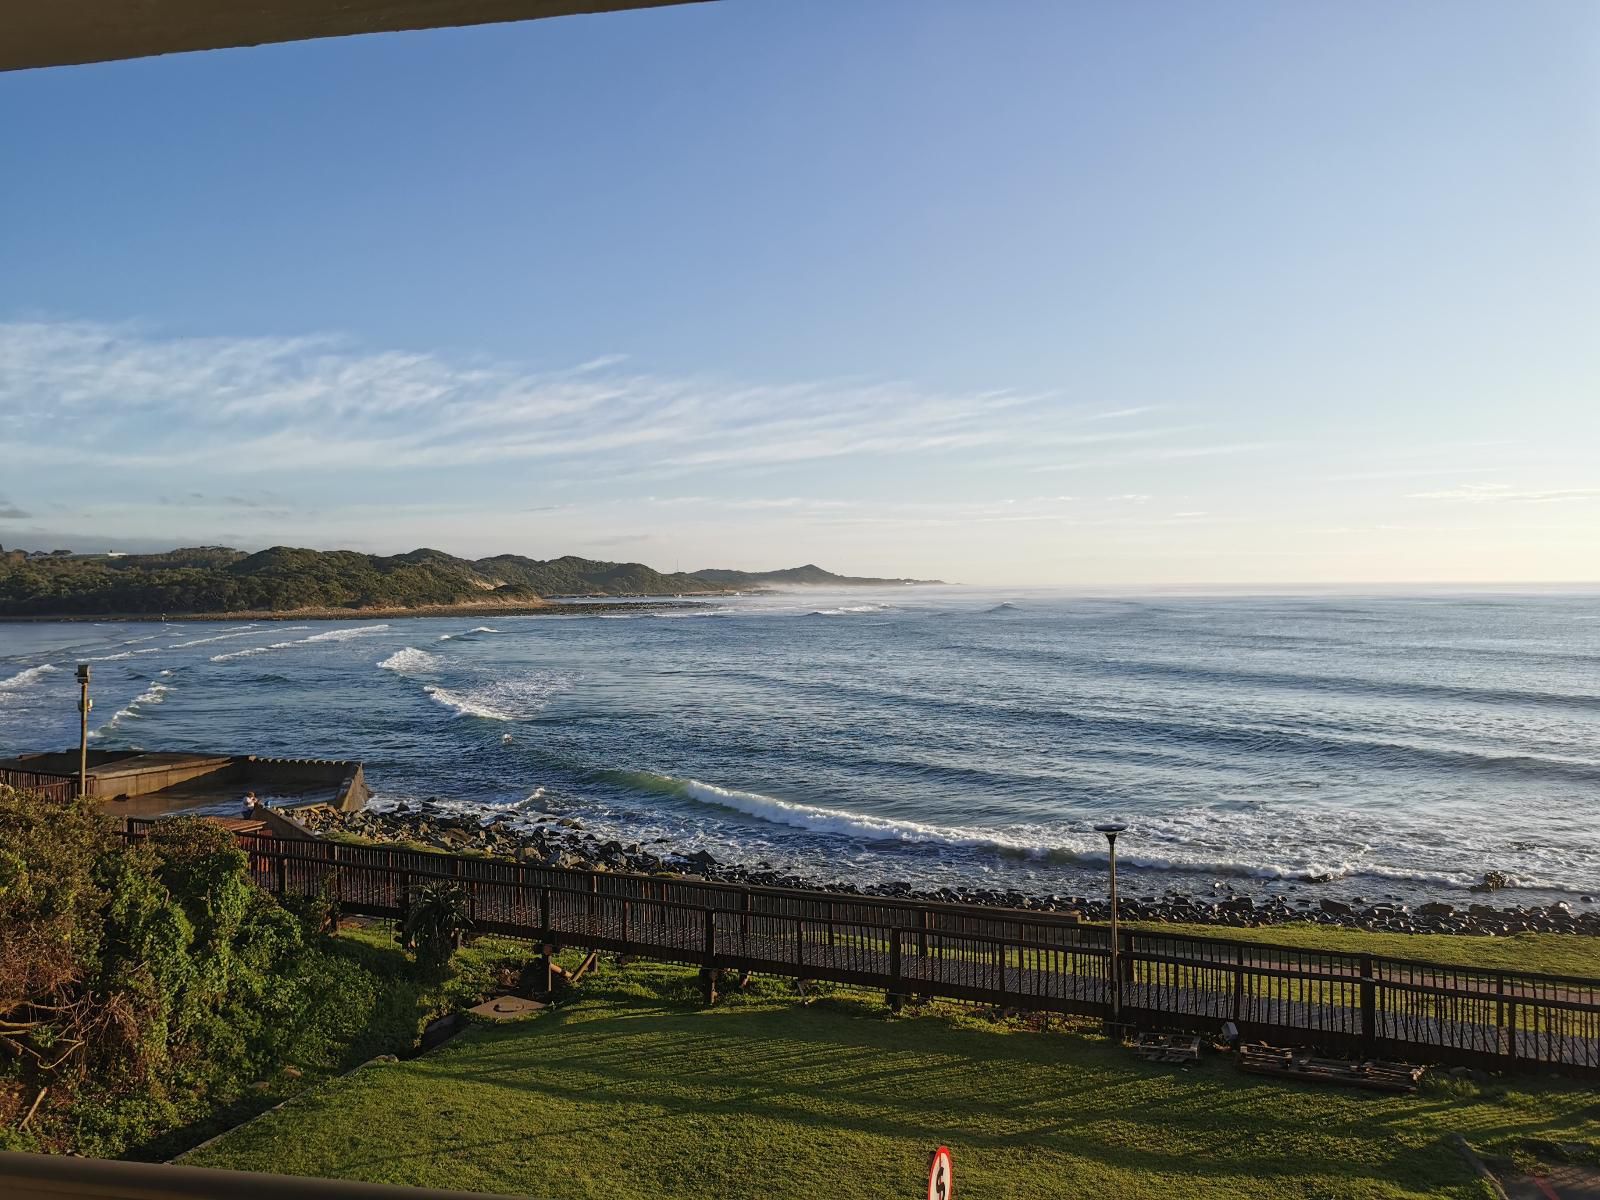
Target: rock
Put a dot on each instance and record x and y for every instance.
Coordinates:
(1337, 908)
(1437, 908)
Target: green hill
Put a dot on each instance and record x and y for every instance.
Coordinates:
(216, 579)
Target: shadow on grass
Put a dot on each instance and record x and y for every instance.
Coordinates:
(824, 1073)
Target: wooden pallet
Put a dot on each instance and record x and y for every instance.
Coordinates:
(1166, 1048)
(1373, 1075)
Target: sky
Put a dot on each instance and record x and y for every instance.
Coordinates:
(1009, 292)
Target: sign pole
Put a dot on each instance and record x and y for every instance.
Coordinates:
(941, 1175)
(84, 705)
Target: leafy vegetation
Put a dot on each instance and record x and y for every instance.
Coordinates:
(634, 1090)
(152, 993)
(216, 579)
(436, 918)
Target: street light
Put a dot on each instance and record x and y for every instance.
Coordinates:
(84, 705)
(1111, 829)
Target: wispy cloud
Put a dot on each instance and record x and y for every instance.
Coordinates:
(262, 404)
(1155, 454)
(296, 403)
(1500, 493)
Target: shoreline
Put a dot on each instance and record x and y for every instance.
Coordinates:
(565, 842)
(545, 609)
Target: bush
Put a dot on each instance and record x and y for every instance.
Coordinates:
(436, 917)
(140, 985)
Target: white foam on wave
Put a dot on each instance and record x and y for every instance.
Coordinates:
(467, 633)
(23, 678)
(410, 660)
(1085, 848)
(505, 700)
(152, 695)
(122, 655)
(344, 635)
(333, 635)
(848, 609)
(828, 820)
(251, 652)
(223, 637)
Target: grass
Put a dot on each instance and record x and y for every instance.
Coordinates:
(1551, 953)
(633, 1090)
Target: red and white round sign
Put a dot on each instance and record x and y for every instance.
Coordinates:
(941, 1176)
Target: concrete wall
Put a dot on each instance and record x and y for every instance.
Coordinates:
(344, 777)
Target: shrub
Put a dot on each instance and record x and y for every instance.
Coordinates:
(436, 917)
(137, 983)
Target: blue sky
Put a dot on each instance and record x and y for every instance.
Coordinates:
(1001, 292)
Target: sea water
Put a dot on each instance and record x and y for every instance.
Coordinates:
(1341, 745)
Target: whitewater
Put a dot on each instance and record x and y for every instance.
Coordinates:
(1349, 745)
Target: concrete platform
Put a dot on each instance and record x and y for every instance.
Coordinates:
(133, 783)
(508, 1008)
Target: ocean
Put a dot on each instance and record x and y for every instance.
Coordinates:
(1346, 745)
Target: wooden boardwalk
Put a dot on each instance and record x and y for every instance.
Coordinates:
(1364, 1005)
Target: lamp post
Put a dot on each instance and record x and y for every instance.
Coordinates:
(1111, 829)
(84, 705)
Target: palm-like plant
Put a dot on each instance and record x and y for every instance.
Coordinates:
(436, 917)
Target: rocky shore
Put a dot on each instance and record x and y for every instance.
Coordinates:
(564, 842)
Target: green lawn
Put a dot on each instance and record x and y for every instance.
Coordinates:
(634, 1090)
(1552, 953)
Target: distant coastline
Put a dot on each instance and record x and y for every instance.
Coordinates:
(552, 608)
(220, 583)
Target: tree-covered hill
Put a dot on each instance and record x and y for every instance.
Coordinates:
(216, 579)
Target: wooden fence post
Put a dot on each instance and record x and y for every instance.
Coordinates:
(708, 973)
(896, 995)
(544, 914)
(1369, 1008)
(1507, 1018)
(1238, 985)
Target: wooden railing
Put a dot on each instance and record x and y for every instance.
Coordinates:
(59, 788)
(1369, 1005)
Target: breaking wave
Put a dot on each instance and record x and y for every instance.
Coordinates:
(152, 695)
(223, 637)
(410, 660)
(252, 651)
(1059, 847)
(507, 700)
(333, 635)
(23, 678)
(123, 654)
(344, 635)
(467, 634)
